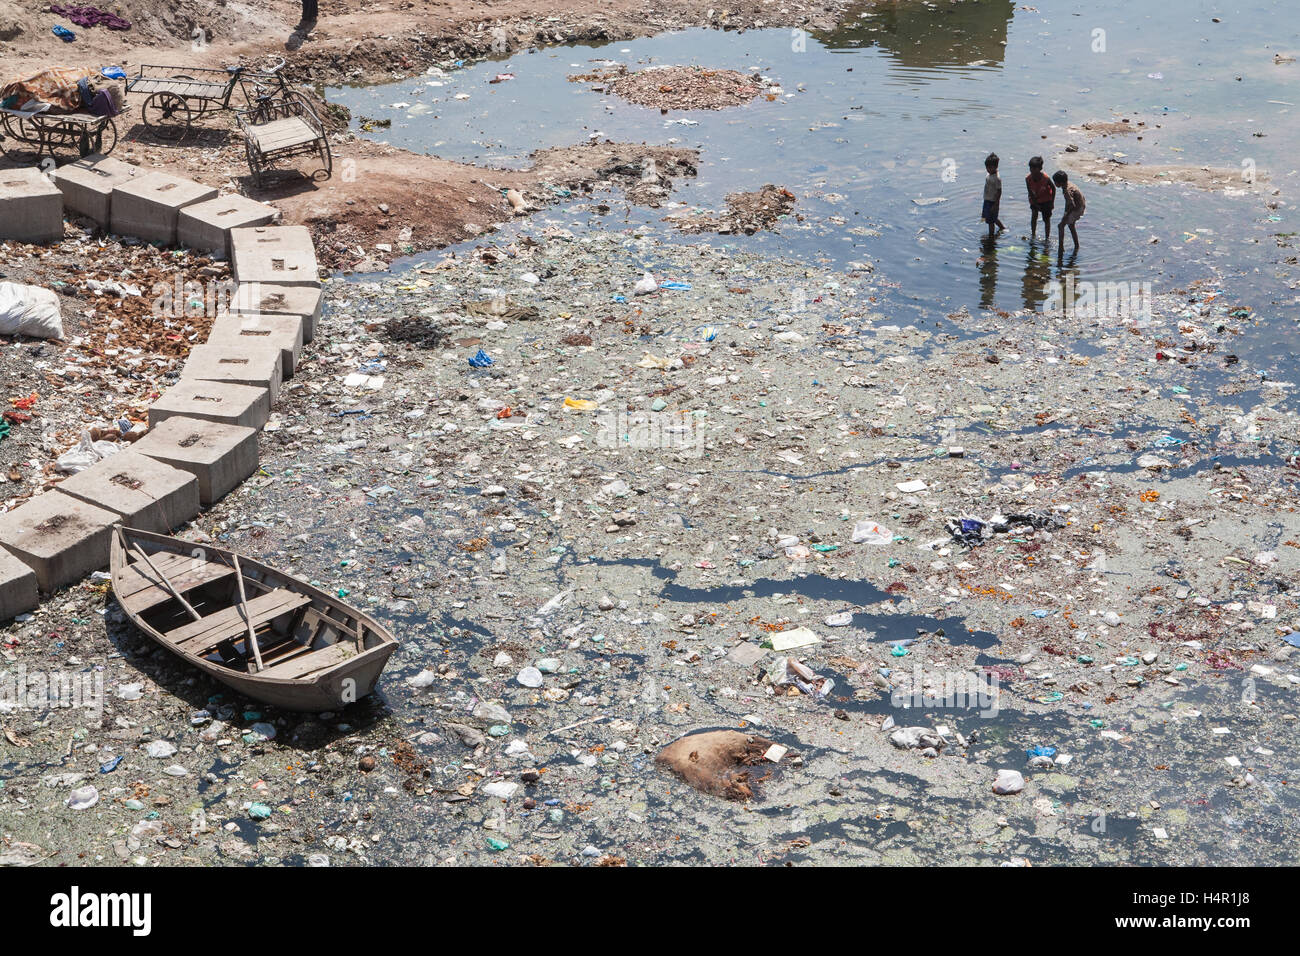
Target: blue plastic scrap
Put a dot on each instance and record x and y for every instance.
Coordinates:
(480, 359)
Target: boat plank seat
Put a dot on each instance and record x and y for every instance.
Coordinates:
(142, 593)
(301, 665)
(203, 636)
(137, 577)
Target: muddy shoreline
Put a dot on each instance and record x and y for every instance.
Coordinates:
(439, 202)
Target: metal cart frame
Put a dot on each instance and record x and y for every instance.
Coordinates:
(279, 128)
(176, 100)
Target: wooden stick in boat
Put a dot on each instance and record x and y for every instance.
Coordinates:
(243, 609)
(166, 582)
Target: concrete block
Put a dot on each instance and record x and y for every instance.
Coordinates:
(31, 207)
(219, 456)
(206, 225)
(208, 401)
(238, 330)
(148, 206)
(300, 300)
(57, 536)
(146, 493)
(258, 365)
(18, 591)
(275, 255)
(87, 185)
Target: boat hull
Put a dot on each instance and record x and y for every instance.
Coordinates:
(346, 677)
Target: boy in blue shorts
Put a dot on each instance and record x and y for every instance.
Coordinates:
(992, 194)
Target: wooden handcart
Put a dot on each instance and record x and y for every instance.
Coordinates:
(43, 132)
(280, 128)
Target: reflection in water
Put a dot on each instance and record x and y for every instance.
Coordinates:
(929, 35)
(1063, 290)
(988, 266)
(1038, 273)
(1065, 264)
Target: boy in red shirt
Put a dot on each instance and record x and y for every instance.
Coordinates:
(1042, 195)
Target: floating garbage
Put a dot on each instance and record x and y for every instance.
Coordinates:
(645, 285)
(786, 672)
(795, 637)
(83, 798)
(972, 532)
(1008, 782)
(868, 532)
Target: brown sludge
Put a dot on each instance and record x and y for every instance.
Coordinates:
(715, 762)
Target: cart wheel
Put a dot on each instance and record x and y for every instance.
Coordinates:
(104, 140)
(12, 126)
(326, 158)
(166, 115)
(305, 103)
(13, 149)
(14, 144)
(254, 162)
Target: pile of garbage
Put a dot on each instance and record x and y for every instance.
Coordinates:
(972, 532)
(747, 213)
(687, 88)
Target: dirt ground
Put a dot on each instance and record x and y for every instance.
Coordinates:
(378, 196)
(373, 40)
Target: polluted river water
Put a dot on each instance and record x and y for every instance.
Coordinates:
(881, 126)
(838, 408)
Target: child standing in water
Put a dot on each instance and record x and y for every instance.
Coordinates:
(992, 194)
(1042, 195)
(1074, 207)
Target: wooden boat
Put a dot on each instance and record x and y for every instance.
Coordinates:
(259, 631)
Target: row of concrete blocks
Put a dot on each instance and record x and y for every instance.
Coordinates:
(202, 441)
(157, 484)
(152, 206)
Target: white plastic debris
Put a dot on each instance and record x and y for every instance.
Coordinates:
(795, 637)
(1008, 782)
(87, 453)
(29, 310)
(645, 285)
(868, 532)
